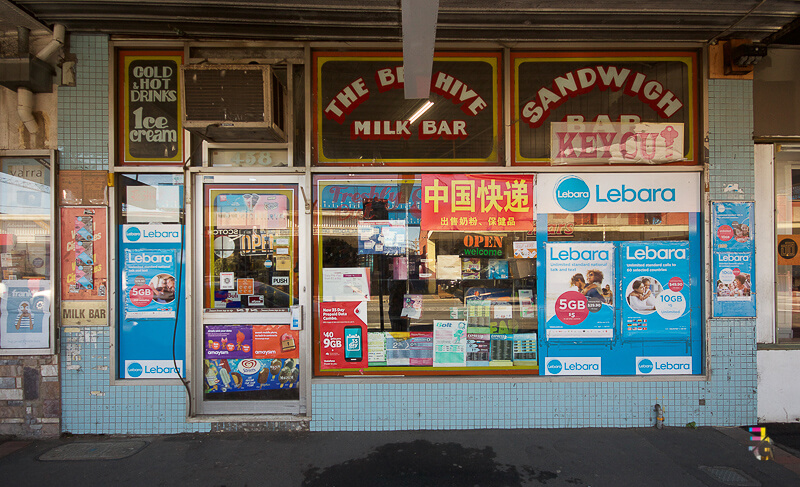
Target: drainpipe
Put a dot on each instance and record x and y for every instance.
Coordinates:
(24, 95)
(59, 34)
(25, 109)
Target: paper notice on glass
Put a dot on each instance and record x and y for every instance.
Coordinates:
(345, 284)
(283, 263)
(502, 311)
(448, 267)
(376, 348)
(412, 306)
(525, 249)
(449, 343)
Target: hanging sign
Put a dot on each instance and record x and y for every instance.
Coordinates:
(150, 127)
(484, 202)
(586, 88)
(362, 115)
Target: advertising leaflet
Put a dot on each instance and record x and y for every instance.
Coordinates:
(376, 347)
(525, 349)
(382, 237)
(398, 348)
(734, 259)
(421, 349)
(449, 343)
(345, 284)
(655, 293)
(502, 350)
(343, 340)
(477, 349)
(228, 342)
(233, 375)
(148, 277)
(151, 268)
(576, 273)
(25, 313)
(275, 341)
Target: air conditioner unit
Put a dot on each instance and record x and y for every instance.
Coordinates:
(233, 103)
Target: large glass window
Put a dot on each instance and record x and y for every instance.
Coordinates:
(457, 274)
(25, 238)
(787, 220)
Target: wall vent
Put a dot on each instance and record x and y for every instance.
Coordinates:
(234, 103)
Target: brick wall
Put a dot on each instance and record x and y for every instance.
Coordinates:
(30, 396)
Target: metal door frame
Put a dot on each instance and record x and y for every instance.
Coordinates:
(197, 317)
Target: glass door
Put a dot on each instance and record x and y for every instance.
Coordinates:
(249, 274)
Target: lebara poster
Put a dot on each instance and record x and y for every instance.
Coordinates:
(655, 294)
(576, 275)
(734, 255)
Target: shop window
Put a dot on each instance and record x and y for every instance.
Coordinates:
(787, 220)
(412, 277)
(150, 280)
(26, 206)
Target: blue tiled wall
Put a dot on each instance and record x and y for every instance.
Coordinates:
(90, 404)
(728, 398)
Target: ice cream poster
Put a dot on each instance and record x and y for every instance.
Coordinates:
(149, 283)
(234, 375)
(576, 274)
(25, 313)
(655, 291)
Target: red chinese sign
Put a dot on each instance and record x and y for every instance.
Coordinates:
(465, 202)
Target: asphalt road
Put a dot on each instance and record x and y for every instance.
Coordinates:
(559, 457)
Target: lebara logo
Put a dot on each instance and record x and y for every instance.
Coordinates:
(133, 234)
(554, 367)
(572, 193)
(645, 366)
(135, 369)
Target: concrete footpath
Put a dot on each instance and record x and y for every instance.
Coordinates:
(571, 457)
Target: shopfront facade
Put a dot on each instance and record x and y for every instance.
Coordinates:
(529, 251)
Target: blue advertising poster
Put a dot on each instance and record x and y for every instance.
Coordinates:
(25, 313)
(655, 290)
(151, 302)
(576, 274)
(734, 259)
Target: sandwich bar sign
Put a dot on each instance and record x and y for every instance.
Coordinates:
(362, 116)
(627, 88)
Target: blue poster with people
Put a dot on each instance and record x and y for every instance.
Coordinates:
(655, 290)
(152, 323)
(577, 274)
(734, 259)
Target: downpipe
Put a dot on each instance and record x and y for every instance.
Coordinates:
(25, 98)
(25, 109)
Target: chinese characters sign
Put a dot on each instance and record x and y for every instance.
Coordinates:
(362, 115)
(477, 202)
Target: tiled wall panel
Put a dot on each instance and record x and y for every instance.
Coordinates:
(91, 405)
(727, 398)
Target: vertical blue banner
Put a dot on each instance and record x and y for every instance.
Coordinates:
(655, 292)
(733, 259)
(151, 301)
